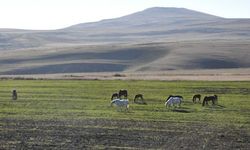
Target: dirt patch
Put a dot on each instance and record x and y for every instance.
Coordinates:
(171, 75)
(115, 134)
(212, 90)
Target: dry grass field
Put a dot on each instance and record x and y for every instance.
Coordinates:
(178, 75)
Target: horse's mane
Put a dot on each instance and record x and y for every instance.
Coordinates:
(169, 97)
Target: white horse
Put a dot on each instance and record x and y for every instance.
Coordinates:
(172, 101)
(121, 103)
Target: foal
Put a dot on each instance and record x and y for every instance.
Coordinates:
(195, 97)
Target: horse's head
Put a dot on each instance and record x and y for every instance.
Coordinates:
(166, 103)
(112, 102)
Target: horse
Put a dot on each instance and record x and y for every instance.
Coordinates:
(195, 97)
(123, 93)
(115, 95)
(120, 103)
(172, 101)
(174, 96)
(14, 95)
(139, 96)
(213, 98)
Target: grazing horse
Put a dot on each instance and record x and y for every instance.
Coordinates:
(172, 101)
(174, 96)
(137, 97)
(209, 98)
(123, 93)
(14, 95)
(120, 103)
(115, 95)
(195, 97)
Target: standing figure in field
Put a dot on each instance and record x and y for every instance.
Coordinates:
(14, 95)
(139, 99)
(115, 95)
(196, 97)
(123, 93)
(213, 98)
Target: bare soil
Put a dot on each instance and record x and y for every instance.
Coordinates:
(171, 75)
(118, 134)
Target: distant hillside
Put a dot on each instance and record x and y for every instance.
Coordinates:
(151, 40)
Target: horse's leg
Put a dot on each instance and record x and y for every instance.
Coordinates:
(127, 108)
(203, 103)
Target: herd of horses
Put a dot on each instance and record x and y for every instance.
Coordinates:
(120, 99)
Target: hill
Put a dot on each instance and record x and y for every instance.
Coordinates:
(156, 39)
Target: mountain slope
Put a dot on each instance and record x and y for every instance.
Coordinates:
(155, 39)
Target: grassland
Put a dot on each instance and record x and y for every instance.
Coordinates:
(68, 114)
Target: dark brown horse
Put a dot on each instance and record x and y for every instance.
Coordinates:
(123, 93)
(139, 97)
(14, 95)
(195, 97)
(214, 99)
(115, 95)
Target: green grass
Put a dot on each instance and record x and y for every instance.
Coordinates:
(80, 99)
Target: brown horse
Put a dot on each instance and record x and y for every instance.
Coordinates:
(214, 99)
(137, 97)
(14, 95)
(195, 97)
(123, 93)
(114, 95)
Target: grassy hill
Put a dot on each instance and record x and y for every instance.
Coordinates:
(156, 39)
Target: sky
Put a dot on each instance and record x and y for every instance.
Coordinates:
(56, 14)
